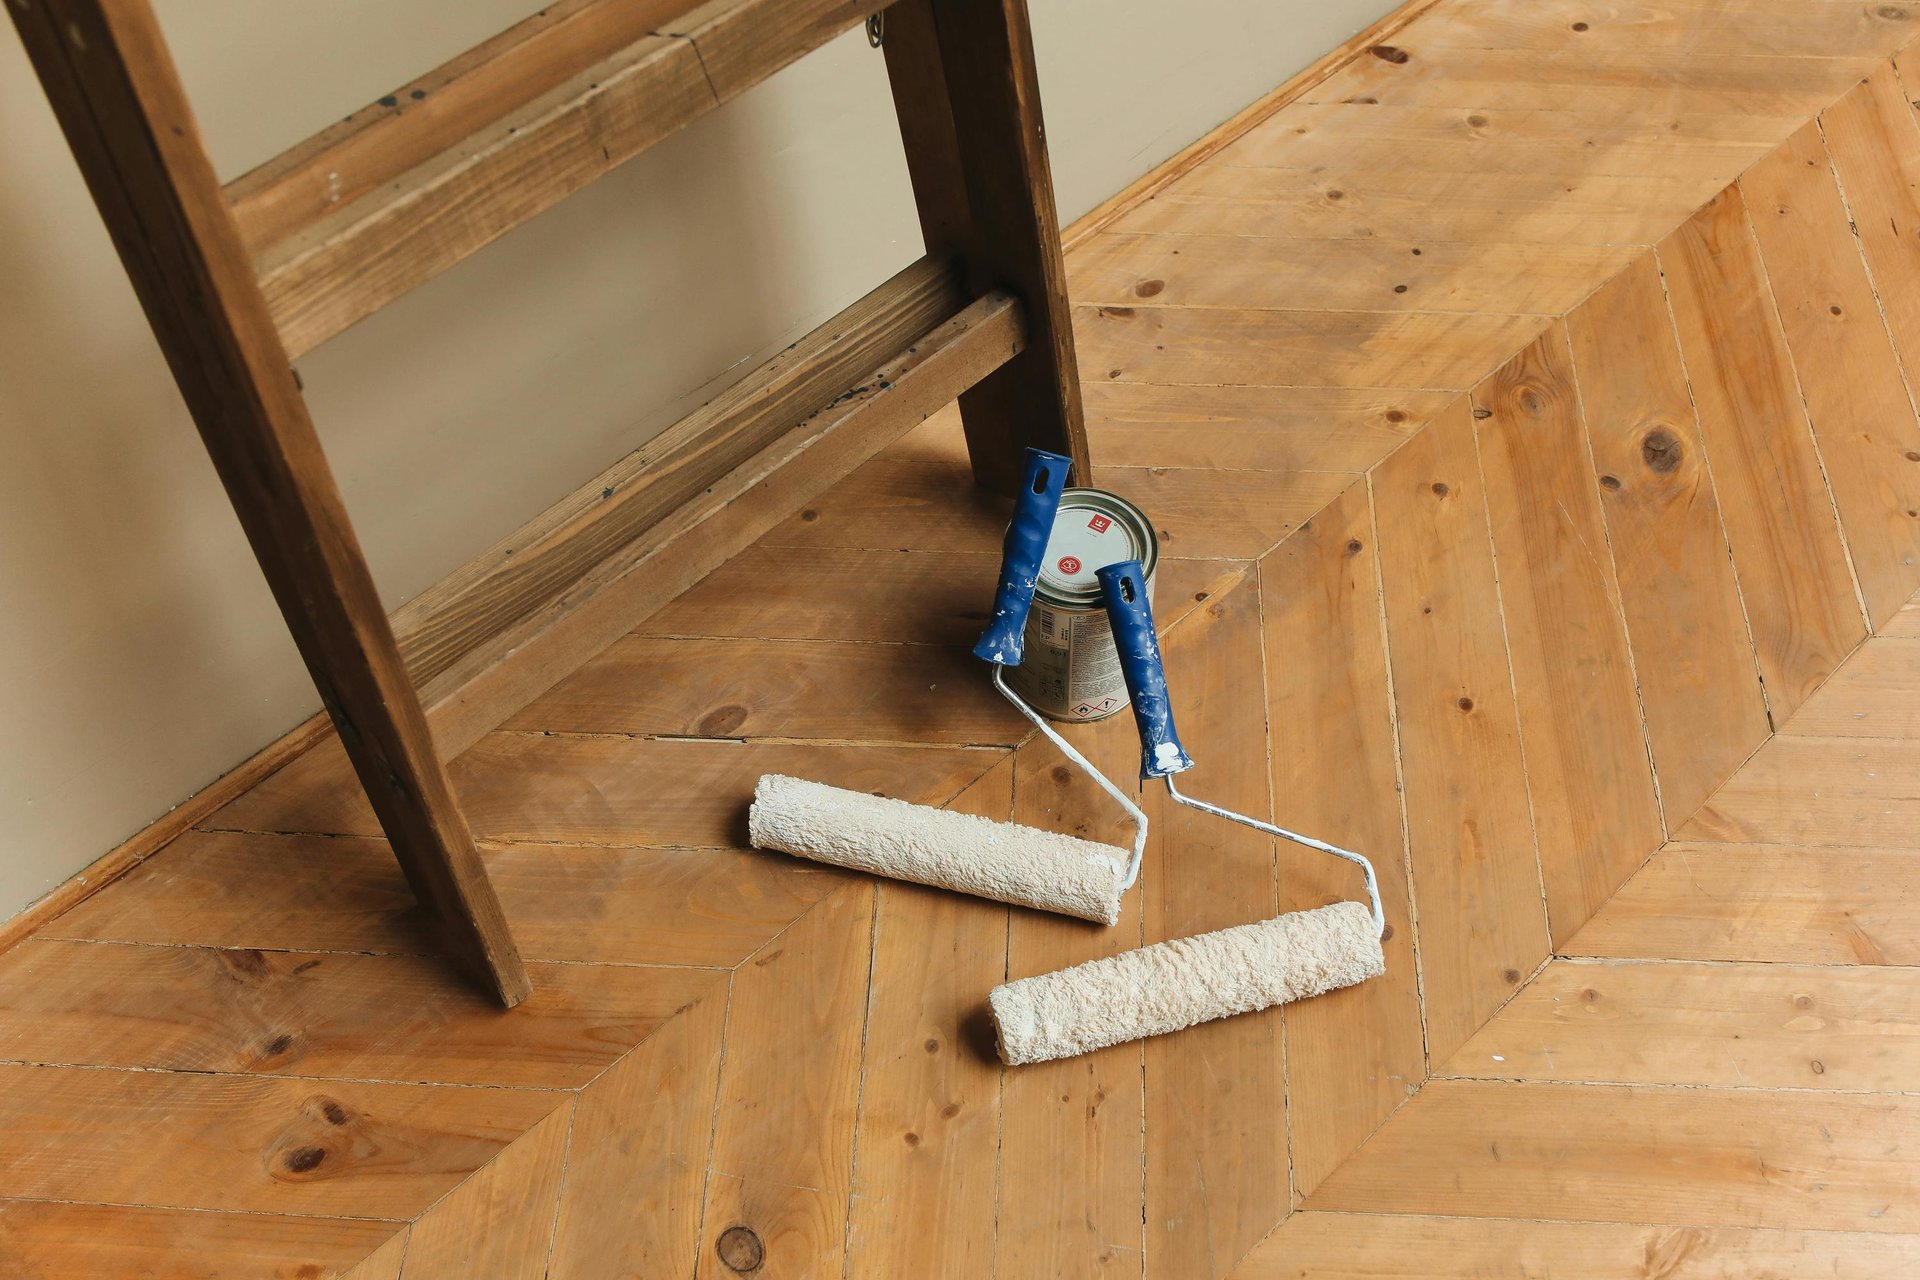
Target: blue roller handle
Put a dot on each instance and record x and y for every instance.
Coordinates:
(1003, 643)
(1125, 587)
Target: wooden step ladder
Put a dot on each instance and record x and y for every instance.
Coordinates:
(239, 281)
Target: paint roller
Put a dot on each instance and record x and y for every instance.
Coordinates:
(1003, 861)
(1171, 985)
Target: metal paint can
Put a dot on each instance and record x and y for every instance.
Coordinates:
(1072, 671)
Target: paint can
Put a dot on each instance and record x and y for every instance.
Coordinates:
(1072, 671)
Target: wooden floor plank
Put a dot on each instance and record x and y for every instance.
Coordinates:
(1119, 268)
(1216, 1146)
(1606, 1153)
(1347, 200)
(1845, 792)
(1636, 80)
(1849, 375)
(1253, 428)
(1875, 694)
(709, 907)
(637, 1159)
(499, 1222)
(1075, 1211)
(1874, 145)
(918, 597)
(1779, 903)
(1479, 917)
(1595, 812)
(521, 787)
(1353, 1055)
(340, 1148)
(781, 1167)
(1483, 141)
(1802, 610)
(383, 1263)
(1666, 26)
(403, 1018)
(779, 689)
(1699, 688)
(48, 1241)
(1217, 345)
(1199, 513)
(1763, 1026)
(927, 1154)
(1368, 1246)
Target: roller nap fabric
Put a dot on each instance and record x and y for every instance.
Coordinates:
(1176, 984)
(998, 860)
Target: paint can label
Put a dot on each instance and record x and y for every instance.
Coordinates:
(1072, 670)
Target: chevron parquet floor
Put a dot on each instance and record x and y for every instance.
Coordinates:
(1528, 411)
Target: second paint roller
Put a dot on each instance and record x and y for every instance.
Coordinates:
(1171, 985)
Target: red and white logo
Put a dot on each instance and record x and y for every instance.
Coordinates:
(1099, 524)
(1069, 565)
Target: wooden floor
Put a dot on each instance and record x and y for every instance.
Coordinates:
(1542, 516)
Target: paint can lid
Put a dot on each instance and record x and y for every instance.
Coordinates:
(1093, 529)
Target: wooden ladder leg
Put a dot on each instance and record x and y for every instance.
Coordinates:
(119, 100)
(968, 99)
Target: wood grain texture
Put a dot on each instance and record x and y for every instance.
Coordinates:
(1860, 406)
(306, 1014)
(499, 1222)
(1758, 1026)
(1845, 792)
(1218, 345)
(1635, 80)
(1778, 903)
(637, 1158)
(338, 1148)
(1705, 710)
(744, 687)
(1201, 269)
(1356, 1054)
(1369, 1246)
(1343, 201)
(1795, 582)
(1480, 923)
(51, 1241)
(915, 596)
(1875, 149)
(1595, 812)
(383, 1263)
(607, 905)
(1875, 694)
(1198, 513)
(1254, 428)
(1604, 1153)
(927, 1154)
(1570, 143)
(1216, 1147)
(1818, 30)
(1078, 1212)
(781, 1167)
(598, 790)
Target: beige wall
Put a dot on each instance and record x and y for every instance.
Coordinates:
(141, 653)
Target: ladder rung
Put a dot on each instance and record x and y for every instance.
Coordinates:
(364, 212)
